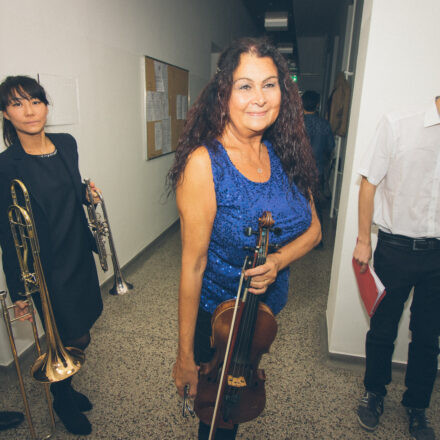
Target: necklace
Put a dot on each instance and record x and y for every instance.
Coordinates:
(43, 150)
(260, 170)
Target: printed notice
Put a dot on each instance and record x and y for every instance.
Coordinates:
(165, 78)
(166, 135)
(157, 106)
(150, 106)
(166, 106)
(157, 136)
(159, 69)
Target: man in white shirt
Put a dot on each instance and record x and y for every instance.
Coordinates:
(400, 193)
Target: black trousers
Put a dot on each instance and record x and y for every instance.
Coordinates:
(401, 269)
(81, 342)
(204, 353)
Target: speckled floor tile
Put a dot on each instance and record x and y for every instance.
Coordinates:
(127, 374)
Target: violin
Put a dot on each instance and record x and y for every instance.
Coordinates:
(231, 386)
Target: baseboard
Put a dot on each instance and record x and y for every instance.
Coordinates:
(339, 360)
(128, 268)
(143, 255)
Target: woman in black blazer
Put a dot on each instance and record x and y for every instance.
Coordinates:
(48, 165)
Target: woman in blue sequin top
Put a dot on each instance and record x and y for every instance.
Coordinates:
(243, 151)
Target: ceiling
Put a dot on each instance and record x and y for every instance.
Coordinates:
(317, 17)
(306, 18)
(258, 8)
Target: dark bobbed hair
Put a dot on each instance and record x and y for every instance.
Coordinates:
(210, 113)
(25, 87)
(310, 100)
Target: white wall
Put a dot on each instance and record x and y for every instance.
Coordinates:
(395, 69)
(101, 43)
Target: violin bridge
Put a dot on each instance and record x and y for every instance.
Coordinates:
(237, 382)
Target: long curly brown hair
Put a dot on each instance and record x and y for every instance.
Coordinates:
(210, 113)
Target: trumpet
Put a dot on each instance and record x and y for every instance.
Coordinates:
(59, 362)
(100, 227)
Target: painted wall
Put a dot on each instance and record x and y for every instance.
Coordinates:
(101, 43)
(395, 69)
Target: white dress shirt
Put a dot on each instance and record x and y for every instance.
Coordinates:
(403, 161)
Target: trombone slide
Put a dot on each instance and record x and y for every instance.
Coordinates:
(8, 323)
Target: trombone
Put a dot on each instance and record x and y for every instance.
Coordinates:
(100, 227)
(8, 323)
(59, 362)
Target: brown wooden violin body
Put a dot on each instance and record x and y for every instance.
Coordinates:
(242, 385)
(252, 399)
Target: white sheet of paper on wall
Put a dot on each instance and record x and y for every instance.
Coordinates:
(166, 135)
(165, 78)
(158, 106)
(62, 92)
(184, 106)
(159, 76)
(150, 107)
(163, 109)
(156, 115)
(158, 136)
(166, 107)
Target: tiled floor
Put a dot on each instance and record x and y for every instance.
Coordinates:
(128, 369)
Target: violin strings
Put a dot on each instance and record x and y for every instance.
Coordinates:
(246, 328)
(249, 321)
(237, 367)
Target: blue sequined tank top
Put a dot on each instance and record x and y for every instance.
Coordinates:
(240, 203)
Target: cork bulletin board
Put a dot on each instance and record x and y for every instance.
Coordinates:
(166, 88)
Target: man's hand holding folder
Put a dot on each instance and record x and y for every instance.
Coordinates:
(370, 287)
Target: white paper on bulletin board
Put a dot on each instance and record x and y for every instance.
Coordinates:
(63, 99)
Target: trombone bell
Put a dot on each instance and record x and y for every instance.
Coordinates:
(54, 366)
(59, 362)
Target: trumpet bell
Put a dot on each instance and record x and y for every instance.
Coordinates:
(120, 287)
(58, 365)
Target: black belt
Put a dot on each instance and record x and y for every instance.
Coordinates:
(413, 244)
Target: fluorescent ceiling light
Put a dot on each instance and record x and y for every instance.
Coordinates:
(276, 21)
(285, 48)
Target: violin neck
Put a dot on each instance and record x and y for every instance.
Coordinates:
(247, 324)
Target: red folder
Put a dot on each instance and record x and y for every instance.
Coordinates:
(370, 287)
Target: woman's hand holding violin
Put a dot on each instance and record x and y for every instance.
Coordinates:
(263, 276)
(186, 372)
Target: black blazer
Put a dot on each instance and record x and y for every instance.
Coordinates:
(14, 164)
